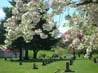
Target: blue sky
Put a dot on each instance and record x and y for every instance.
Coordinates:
(3, 3)
(59, 18)
(2, 14)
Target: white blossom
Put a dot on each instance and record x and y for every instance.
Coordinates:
(80, 46)
(38, 31)
(43, 36)
(7, 42)
(94, 0)
(51, 2)
(54, 33)
(48, 27)
(27, 18)
(19, 4)
(15, 10)
(75, 42)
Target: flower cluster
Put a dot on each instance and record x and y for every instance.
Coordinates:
(82, 22)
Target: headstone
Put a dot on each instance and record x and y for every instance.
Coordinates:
(74, 55)
(54, 56)
(79, 54)
(64, 56)
(67, 67)
(5, 58)
(71, 61)
(20, 62)
(35, 66)
(44, 62)
(51, 60)
(90, 56)
(94, 59)
(11, 59)
(48, 61)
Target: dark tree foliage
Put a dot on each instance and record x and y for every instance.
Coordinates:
(8, 13)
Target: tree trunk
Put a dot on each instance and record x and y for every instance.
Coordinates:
(20, 56)
(74, 54)
(35, 54)
(26, 54)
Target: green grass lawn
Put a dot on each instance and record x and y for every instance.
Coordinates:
(80, 66)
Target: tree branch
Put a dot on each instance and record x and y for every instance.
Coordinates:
(86, 2)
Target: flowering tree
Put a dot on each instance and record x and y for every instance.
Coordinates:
(26, 18)
(85, 20)
(30, 26)
(81, 39)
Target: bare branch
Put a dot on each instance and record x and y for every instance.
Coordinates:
(86, 2)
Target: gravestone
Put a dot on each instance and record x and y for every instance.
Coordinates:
(67, 67)
(74, 56)
(51, 60)
(20, 62)
(48, 61)
(90, 56)
(54, 56)
(44, 62)
(79, 54)
(35, 66)
(5, 58)
(94, 59)
(11, 59)
(71, 61)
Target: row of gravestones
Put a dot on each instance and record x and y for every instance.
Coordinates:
(44, 63)
(48, 61)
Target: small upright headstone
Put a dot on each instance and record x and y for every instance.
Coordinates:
(11, 59)
(51, 60)
(44, 62)
(35, 66)
(79, 54)
(74, 55)
(48, 61)
(5, 58)
(67, 67)
(94, 59)
(71, 61)
(90, 56)
(20, 62)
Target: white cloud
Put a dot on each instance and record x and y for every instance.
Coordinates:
(2, 14)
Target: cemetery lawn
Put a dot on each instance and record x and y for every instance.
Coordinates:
(80, 66)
